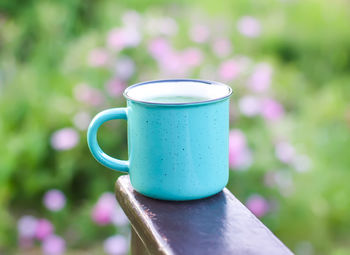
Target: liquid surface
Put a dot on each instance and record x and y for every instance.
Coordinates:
(177, 99)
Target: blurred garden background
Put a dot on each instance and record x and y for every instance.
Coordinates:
(61, 62)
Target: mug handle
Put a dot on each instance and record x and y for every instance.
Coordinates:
(97, 152)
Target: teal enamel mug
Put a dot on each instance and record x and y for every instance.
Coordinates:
(177, 138)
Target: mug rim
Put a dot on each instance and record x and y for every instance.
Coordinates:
(125, 93)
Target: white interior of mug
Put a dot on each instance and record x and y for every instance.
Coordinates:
(192, 91)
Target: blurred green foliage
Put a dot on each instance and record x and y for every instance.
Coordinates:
(43, 51)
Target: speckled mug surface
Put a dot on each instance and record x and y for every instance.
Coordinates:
(177, 151)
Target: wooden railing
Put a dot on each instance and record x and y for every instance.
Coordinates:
(216, 225)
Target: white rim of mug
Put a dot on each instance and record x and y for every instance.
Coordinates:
(125, 94)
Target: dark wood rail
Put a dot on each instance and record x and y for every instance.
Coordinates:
(216, 225)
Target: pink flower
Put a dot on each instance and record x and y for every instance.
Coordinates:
(285, 152)
(192, 57)
(237, 139)
(86, 94)
(82, 120)
(171, 62)
(44, 229)
(124, 68)
(116, 39)
(222, 47)
(120, 38)
(104, 209)
(199, 33)
(132, 36)
(271, 109)
(240, 156)
(54, 200)
(261, 78)
(229, 70)
(102, 216)
(115, 87)
(116, 245)
(64, 139)
(26, 227)
(98, 57)
(249, 106)
(159, 48)
(173, 65)
(249, 26)
(257, 205)
(53, 245)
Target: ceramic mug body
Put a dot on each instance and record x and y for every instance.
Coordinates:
(176, 151)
